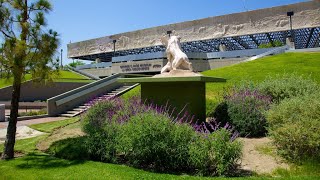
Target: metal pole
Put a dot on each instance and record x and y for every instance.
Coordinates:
(114, 47)
(61, 57)
(290, 14)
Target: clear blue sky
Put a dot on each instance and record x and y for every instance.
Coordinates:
(78, 20)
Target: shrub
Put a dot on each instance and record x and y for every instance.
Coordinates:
(276, 43)
(149, 136)
(33, 113)
(214, 154)
(153, 141)
(246, 110)
(287, 86)
(295, 127)
(101, 131)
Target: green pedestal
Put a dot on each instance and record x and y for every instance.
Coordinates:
(182, 93)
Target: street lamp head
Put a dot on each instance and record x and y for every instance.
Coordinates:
(290, 13)
(114, 41)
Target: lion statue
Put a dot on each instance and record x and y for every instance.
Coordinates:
(176, 58)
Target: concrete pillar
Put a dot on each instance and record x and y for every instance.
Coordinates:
(290, 42)
(2, 113)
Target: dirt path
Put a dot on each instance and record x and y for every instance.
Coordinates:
(255, 160)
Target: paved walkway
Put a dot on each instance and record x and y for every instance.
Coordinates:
(4, 125)
(23, 131)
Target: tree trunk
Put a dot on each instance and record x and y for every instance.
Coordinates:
(8, 152)
(17, 70)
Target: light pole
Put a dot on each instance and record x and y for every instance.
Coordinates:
(61, 58)
(114, 47)
(290, 14)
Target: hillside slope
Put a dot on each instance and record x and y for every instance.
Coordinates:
(306, 64)
(65, 76)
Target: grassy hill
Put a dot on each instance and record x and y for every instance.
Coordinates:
(65, 76)
(306, 64)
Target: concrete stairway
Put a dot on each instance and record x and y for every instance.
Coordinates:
(83, 107)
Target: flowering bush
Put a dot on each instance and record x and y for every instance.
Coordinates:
(244, 109)
(215, 153)
(150, 136)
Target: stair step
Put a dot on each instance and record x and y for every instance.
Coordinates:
(72, 112)
(67, 115)
(79, 109)
(115, 91)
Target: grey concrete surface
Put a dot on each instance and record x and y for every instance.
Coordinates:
(306, 15)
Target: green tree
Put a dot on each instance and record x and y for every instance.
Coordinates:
(27, 48)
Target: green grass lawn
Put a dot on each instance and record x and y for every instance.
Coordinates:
(306, 64)
(68, 76)
(65, 76)
(8, 82)
(50, 126)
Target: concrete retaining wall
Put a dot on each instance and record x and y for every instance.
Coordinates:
(98, 71)
(156, 65)
(33, 92)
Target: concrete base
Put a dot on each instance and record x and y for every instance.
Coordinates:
(2, 113)
(182, 93)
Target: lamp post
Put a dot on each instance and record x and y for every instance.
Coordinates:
(290, 14)
(61, 58)
(169, 33)
(114, 47)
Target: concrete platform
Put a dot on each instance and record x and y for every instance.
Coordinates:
(185, 94)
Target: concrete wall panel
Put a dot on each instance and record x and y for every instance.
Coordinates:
(33, 92)
(307, 14)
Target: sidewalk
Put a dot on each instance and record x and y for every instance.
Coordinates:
(3, 125)
(23, 131)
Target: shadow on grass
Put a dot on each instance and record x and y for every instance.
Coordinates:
(70, 148)
(43, 161)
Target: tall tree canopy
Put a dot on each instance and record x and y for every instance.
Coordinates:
(26, 48)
